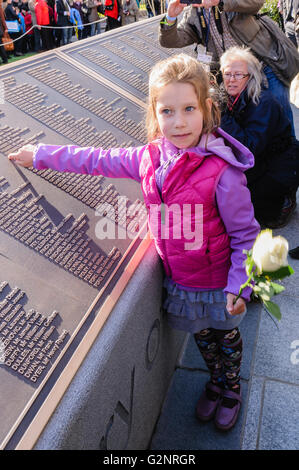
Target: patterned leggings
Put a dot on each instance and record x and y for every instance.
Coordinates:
(222, 353)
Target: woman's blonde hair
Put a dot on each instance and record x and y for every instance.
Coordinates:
(180, 68)
(254, 69)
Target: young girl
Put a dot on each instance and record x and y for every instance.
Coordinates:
(191, 164)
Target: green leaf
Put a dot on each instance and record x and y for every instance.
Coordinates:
(278, 288)
(273, 309)
(282, 272)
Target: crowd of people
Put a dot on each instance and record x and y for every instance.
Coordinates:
(52, 23)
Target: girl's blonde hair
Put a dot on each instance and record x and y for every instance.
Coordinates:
(254, 69)
(180, 68)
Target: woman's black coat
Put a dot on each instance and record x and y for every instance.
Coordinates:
(265, 129)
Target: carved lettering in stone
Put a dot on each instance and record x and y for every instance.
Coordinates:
(124, 414)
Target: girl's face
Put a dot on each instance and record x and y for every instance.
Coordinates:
(235, 77)
(179, 117)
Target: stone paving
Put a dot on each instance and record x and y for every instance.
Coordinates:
(269, 376)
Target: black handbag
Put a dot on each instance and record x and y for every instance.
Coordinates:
(287, 61)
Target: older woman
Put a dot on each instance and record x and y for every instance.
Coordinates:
(254, 117)
(130, 12)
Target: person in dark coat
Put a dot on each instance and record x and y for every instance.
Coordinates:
(113, 13)
(11, 15)
(3, 29)
(254, 117)
(294, 253)
(63, 19)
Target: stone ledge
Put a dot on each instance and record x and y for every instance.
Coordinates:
(115, 399)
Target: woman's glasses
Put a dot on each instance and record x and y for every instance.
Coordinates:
(236, 76)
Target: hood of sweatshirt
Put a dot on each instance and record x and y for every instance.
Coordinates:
(219, 143)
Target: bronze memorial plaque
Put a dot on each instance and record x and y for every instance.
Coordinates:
(61, 269)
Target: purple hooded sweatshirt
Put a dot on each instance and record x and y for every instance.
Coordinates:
(232, 195)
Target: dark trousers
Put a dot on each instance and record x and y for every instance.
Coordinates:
(2, 52)
(18, 44)
(30, 42)
(86, 31)
(37, 39)
(267, 197)
(112, 23)
(47, 39)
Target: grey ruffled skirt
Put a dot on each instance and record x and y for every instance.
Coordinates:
(194, 311)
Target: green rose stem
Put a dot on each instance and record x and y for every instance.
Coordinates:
(247, 283)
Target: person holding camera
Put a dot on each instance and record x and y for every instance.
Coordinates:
(130, 12)
(218, 25)
(113, 13)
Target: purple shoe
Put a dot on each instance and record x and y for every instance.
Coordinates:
(228, 410)
(208, 402)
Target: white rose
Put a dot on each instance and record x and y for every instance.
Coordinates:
(268, 253)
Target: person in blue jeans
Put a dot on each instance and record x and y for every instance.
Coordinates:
(281, 93)
(64, 12)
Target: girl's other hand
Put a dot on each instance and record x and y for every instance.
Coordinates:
(24, 156)
(238, 307)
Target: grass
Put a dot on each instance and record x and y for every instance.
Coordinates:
(14, 59)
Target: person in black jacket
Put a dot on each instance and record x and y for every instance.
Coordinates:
(254, 117)
(3, 29)
(11, 15)
(63, 19)
(294, 253)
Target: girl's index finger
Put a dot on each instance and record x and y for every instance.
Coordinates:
(13, 156)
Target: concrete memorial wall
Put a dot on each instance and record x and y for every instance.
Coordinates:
(85, 353)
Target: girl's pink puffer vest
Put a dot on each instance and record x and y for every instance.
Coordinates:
(189, 199)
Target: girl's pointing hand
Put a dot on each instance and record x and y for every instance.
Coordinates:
(24, 156)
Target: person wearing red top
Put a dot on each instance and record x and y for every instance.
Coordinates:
(30, 35)
(43, 19)
(113, 11)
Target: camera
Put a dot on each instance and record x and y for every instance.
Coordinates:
(190, 2)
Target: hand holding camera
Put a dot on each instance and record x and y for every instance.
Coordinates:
(175, 8)
(204, 3)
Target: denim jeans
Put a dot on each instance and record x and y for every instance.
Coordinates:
(67, 35)
(37, 39)
(281, 93)
(95, 29)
